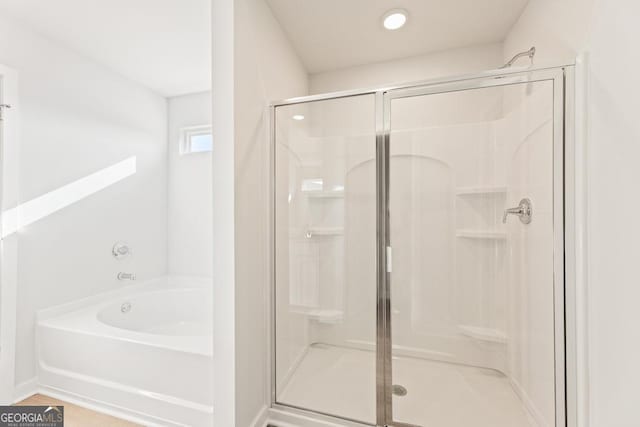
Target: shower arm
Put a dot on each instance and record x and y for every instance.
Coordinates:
(530, 53)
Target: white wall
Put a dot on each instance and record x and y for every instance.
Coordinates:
(78, 117)
(557, 28)
(9, 247)
(608, 31)
(224, 330)
(446, 63)
(265, 68)
(613, 153)
(190, 230)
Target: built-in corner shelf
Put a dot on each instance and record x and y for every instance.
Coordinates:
(481, 190)
(325, 316)
(336, 194)
(321, 315)
(484, 334)
(323, 231)
(482, 234)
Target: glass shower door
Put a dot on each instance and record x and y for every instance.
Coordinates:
(474, 214)
(325, 256)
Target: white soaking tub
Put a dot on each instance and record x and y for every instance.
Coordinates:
(143, 352)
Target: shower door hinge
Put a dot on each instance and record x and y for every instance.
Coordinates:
(389, 259)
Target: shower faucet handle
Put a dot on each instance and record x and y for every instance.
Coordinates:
(524, 210)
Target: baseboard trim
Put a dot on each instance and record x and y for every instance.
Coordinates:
(30, 387)
(102, 407)
(25, 389)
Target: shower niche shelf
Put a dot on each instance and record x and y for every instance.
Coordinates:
(325, 316)
(335, 194)
(322, 315)
(323, 232)
(484, 334)
(481, 190)
(482, 234)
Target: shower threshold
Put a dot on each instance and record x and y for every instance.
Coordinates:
(341, 381)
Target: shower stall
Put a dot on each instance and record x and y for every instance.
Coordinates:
(418, 252)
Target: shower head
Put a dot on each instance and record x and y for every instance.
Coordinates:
(530, 53)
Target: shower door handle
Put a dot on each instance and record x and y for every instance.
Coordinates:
(524, 210)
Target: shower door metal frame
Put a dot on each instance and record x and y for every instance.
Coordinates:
(557, 77)
(564, 327)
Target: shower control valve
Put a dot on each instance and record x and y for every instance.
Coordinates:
(524, 210)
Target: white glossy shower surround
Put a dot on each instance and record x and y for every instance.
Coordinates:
(151, 363)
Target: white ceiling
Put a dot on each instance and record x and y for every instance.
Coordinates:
(333, 34)
(162, 44)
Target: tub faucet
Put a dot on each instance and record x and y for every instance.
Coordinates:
(126, 276)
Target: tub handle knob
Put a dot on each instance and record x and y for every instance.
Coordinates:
(121, 250)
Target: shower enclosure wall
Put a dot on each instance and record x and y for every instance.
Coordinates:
(405, 289)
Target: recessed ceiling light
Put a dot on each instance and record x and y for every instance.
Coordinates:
(394, 19)
(298, 117)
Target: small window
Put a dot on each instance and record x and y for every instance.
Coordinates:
(196, 139)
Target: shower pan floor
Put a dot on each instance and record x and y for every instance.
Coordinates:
(341, 381)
